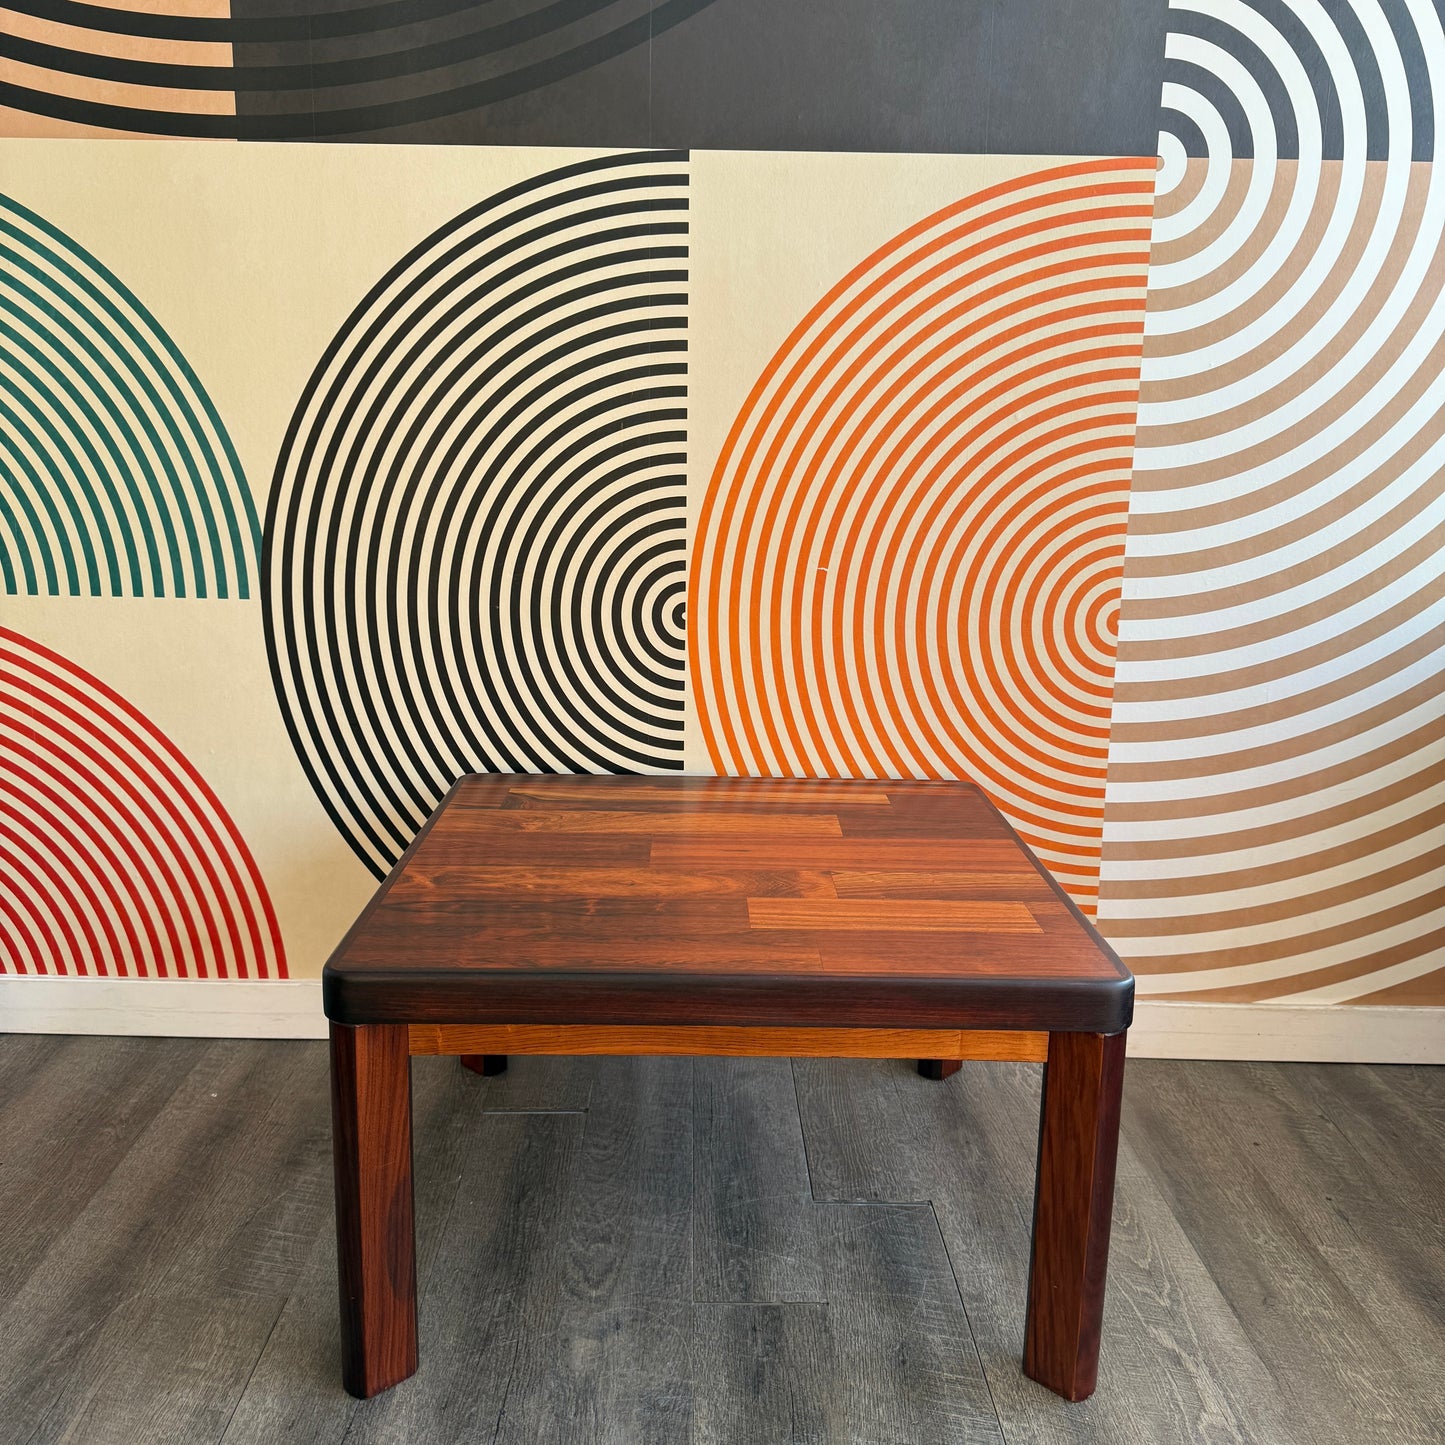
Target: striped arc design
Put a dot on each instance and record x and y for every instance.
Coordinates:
(1298, 77)
(1276, 789)
(117, 475)
(120, 860)
(115, 70)
(476, 538)
(188, 68)
(908, 559)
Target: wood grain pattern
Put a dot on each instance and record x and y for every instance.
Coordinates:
(701, 793)
(716, 901)
(484, 953)
(36, 1198)
(892, 915)
(1275, 1277)
(892, 854)
(1073, 1210)
(616, 1267)
(579, 890)
(1176, 1365)
(651, 819)
(937, 883)
(156, 1258)
(375, 1237)
(501, 1039)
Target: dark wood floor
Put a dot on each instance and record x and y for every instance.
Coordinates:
(712, 1250)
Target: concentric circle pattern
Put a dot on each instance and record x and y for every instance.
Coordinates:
(476, 539)
(1276, 788)
(117, 476)
(119, 860)
(908, 560)
(190, 68)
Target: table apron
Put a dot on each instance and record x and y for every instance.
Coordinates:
(745, 1042)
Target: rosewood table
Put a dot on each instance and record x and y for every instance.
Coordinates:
(679, 915)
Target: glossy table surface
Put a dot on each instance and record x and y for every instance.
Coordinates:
(699, 900)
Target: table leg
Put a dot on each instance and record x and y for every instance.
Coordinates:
(375, 1242)
(1073, 1206)
(487, 1064)
(939, 1068)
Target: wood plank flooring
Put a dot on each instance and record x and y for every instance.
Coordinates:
(712, 1250)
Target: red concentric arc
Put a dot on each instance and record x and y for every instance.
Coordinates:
(909, 558)
(120, 860)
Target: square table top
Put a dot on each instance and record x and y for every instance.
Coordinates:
(701, 900)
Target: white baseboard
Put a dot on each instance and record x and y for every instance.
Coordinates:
(195, 1008)
(1293, 1033)
(291, 1009)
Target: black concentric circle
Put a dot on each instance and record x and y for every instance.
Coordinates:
(475, 545)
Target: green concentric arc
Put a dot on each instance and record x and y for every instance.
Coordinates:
(117, 476)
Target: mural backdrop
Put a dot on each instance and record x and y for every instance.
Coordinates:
(1047, 395)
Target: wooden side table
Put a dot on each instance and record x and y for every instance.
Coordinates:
(679, 915)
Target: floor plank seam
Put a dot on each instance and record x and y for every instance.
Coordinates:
(1355, 1151)
(68, 1349)
(533, 1111)
(506, 1395)
(972, 1337)
(1204, 1278)
(104, 1181)
(1144, 1159)
(760, 1304)
(803, 1130)
(693, 1174)
(877, 1203)
(251, 1373)
(352, 1421)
